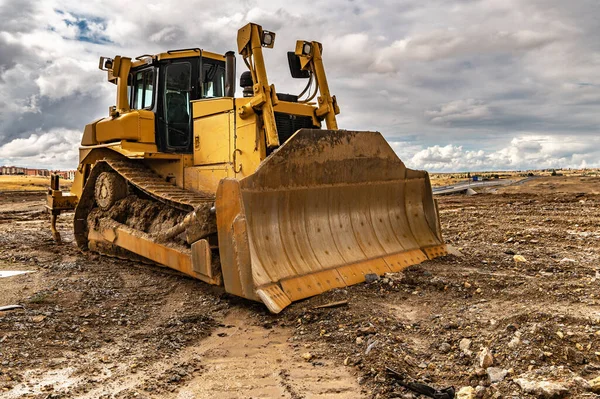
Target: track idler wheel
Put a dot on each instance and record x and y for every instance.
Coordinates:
(110, 187)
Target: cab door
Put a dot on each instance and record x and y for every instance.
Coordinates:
(173, 115)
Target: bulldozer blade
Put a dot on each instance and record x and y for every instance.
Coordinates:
(325, 209)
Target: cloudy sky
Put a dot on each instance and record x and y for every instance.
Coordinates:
(454, 85)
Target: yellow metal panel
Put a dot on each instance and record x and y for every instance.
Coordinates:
(77, 186)
(135, 126)
(436, 251)
(273, 297)
(191, 53)
(249, 145)
(146, 126)
(179, 54)
(399, 261)
(141, 147)
(143, 245)
(206, 178)
(233, 241)
(201, 258)
(89, 134)
(297, 109)
(211, 106)
(212, 139)
(313, 284)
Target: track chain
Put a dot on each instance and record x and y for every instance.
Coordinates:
(143, 178)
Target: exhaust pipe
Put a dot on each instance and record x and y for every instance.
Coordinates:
(229, 74)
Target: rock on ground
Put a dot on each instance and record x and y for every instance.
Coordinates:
(542, 389)
(496, 374)
(466, 393)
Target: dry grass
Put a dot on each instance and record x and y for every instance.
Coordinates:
(27, 183)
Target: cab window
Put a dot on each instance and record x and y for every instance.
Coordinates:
(142, 94)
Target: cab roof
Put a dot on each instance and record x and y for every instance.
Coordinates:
(173, 54)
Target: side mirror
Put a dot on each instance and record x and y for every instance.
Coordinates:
(295, 68)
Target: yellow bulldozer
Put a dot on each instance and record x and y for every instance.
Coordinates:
(250, 193)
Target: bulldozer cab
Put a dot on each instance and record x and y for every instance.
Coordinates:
(167, 87)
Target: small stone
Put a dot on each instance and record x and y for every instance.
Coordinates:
(485, 358)
(595, 385)
(574, 356)
(515, 341)
(568, 260)
(466, 393)
(38, 319)
(496, 374)
(560, 334)
(359, 340)
(445, 347)
(464, 346)
(346, 361)
(479, 372)
(307, 356)
(371, 278)
(467, 284)
(582, 383)
(579, 346)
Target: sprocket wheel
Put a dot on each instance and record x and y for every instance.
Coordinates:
(110, 187)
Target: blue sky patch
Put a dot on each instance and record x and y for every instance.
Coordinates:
(89, 29)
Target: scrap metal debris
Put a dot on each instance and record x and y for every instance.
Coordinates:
(11, 307)
(417, 387)
(332, 305)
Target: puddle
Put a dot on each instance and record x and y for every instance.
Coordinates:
(10, 273)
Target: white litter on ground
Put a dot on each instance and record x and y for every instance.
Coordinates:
(10, 273)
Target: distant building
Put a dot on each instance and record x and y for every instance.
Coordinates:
(17, 170)
(65, 174)
(12, 170)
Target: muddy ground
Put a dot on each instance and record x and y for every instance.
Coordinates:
(97, 327)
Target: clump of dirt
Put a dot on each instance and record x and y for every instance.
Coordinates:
(144, 214)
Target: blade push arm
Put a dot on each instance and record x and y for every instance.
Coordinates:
(251, 39)
(311, 60)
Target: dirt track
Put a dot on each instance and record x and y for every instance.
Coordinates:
(95, 327)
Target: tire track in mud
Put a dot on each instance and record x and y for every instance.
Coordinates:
(240, 359)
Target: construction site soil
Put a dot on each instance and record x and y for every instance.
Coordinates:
(516, 316)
